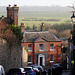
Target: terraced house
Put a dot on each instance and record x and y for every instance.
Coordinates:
(44, 48)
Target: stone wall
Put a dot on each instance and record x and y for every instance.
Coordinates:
(10, 56)
(24, 57)
(11, 52)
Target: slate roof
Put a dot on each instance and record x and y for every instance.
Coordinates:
(32, 36)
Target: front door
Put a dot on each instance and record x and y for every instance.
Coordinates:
(41, 59)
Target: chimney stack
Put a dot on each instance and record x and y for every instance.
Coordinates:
(42, 27)
(22, 27)
(12, 12)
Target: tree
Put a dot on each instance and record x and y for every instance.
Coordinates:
(34, 27)
(28, 28)
(65, 33)
(53, 31)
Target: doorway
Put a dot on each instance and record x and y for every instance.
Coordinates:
(41, 59)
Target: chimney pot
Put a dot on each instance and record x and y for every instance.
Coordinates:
(15, 5)
(22, 24)
(9, 5)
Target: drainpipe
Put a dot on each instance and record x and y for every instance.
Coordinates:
(33, 54)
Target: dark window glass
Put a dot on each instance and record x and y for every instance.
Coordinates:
(51, 57)
(41, 46)
(29, 58)
(30, 47)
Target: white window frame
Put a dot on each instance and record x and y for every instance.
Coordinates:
(51, 49)
(51, 61)
(30, 47)
(31, 60)
(42, 47)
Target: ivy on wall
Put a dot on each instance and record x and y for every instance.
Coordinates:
(16, 30)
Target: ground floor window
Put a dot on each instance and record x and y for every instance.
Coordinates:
(29, 59)
(51, 58)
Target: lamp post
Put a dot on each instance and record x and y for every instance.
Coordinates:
(73, 34)
(73, 39)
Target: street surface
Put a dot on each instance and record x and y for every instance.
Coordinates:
(65, 73)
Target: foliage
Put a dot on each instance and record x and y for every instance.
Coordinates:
(53, 31)
(28, 28)
(34, 27)
(65, 33)
(64, 49)
(26, 48)
(61, 27)
(60, 30)
(16, 30)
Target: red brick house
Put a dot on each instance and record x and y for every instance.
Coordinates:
(44, 48)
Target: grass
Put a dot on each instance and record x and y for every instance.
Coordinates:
(64, 16)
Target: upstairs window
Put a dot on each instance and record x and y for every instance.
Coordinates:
(41, 47)
(30, 47)
(51, 47)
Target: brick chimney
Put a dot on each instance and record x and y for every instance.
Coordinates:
(22, 27)
(12, 12)
(9, 11)
(42, 27)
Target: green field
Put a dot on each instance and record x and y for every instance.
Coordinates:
(31, 15)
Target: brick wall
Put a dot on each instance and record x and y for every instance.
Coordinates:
(56, 52)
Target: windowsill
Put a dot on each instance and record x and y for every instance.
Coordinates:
(40, 50)
(51, 49)
(51, 61)
(29, 50)
(29, 62)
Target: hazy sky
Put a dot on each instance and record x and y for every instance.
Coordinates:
(36, 2)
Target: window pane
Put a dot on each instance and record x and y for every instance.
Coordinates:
(30, 46)
(52, 46)
(51, 57)
(29, 58)
(41, 46)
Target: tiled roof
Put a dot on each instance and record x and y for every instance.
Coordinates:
(32, 36)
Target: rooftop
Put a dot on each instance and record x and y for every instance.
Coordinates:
(32, 36)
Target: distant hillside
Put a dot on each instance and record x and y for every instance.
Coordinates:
(44, 8)
(38, 8)
(52, 9)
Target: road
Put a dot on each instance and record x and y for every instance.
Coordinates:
(65, 73)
